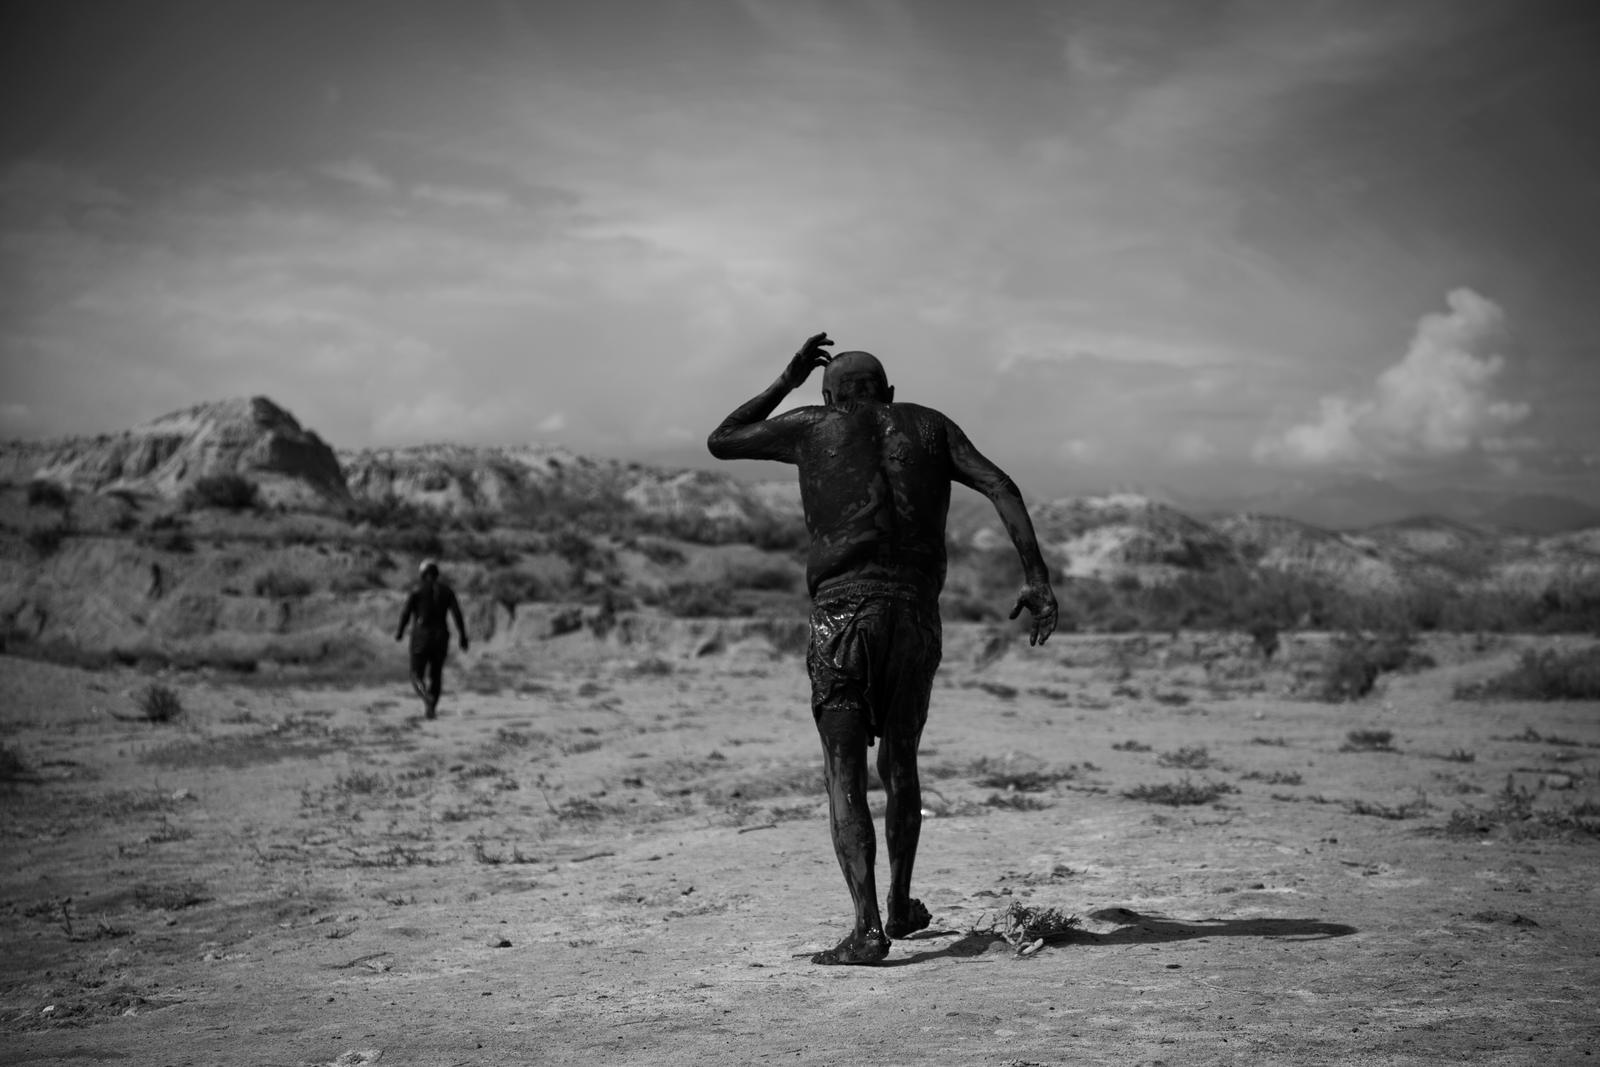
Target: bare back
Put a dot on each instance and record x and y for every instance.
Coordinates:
(875, 483)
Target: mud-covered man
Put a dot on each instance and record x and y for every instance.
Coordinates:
(430, 606)
(875, 481)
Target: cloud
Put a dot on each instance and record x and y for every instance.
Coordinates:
(360, 173)
(1191, 447)
(1440, 401)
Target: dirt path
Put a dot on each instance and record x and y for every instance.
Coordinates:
(626, 861)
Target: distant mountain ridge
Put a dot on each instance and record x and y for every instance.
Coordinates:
(1093, 536)
(253, 437)
(1359, 503)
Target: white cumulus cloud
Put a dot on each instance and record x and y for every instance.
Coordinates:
(1439, 401)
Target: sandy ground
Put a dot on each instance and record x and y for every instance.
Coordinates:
(625, 860)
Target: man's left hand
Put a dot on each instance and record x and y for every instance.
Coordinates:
(1040, 601)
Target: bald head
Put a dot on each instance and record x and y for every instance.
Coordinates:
(855, 376)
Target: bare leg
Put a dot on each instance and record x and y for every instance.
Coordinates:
(419, 667)
(902, 824)
(844, 754)
(430, 699)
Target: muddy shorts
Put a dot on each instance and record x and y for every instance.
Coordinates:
(874, 649)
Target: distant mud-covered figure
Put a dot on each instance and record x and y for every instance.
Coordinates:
(875, 485)
(430, 606)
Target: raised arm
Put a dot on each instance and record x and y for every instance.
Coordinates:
(973, 470)
(746, 433)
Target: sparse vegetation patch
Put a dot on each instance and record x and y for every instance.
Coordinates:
(232, 492)
(1181, 794)
(1543, 675)
(159, 704)
(1194, 757)
(1368, 741)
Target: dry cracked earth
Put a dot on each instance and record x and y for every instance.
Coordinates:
(624, 859)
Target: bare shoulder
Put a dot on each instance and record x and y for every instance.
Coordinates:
(931, 421)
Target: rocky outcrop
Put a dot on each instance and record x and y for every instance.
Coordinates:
(253, 437)
(1121, 533)
(531, 482)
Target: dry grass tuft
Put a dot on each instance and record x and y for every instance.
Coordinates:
(1368, 741)
(1194, 757)
(1026, 928)
(1180, 794)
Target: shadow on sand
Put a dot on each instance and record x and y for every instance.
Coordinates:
(1132, 929)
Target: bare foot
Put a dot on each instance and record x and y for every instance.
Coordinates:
(916, 918)
(854, 951)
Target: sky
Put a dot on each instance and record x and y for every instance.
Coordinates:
(1201, 246)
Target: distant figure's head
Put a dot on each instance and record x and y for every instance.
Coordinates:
(429, 571)
(853, 376)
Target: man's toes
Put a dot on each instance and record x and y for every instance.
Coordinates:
(916, 917)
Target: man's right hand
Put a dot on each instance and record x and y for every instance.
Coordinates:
(812, 355)
(1040, 600)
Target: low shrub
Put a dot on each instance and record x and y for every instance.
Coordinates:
(1357, 660)
(691, 600)
(360, 581)
(232, 492)
(1368, 741)
(1180, 794)
(279, 585)
(159, 703)
(1194, 757)
(1543, 675)
(43, 493)
(46, 540)
(661, 553)
(775, 577)
(511, 589)
(13, 768)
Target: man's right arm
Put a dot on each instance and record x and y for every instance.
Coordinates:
(405, 615)
(973, 470)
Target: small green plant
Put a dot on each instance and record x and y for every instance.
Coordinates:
(1130, 746)
(159, 704)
